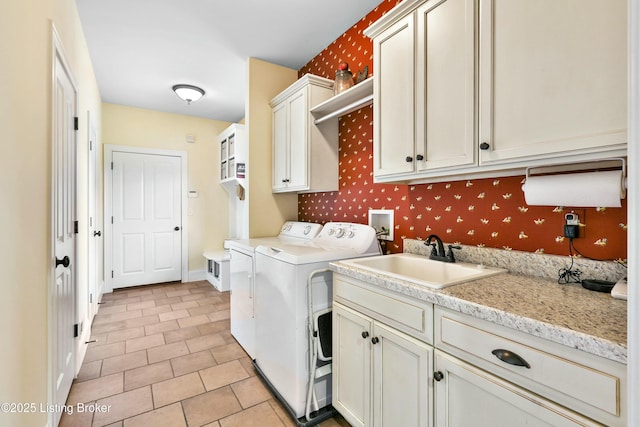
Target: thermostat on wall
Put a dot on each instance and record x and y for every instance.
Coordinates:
(193, 193)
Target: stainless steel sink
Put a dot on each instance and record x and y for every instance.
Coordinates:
(423, 271)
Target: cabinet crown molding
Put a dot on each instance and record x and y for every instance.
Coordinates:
(391, 17)
(303, 81)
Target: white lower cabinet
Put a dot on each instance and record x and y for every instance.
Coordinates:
(381, 376)
(466, 396)
(525, 366)
(483, 375)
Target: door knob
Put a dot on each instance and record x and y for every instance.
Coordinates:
(438, 376)
(375, 340)
(420, 157)
(66, 262)
(485, 146)
(177, 228)
(365, 334)
(97, 233)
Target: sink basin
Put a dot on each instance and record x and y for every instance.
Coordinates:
(424, 271)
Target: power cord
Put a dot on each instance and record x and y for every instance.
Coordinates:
(569, 275)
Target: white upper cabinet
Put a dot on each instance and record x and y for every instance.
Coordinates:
(424, 88)
(394, 148)
(233, 154)
(469, 87)
(305, 155)
(445, 83)
(553, 78)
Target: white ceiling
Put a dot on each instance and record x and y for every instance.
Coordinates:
(141, 48)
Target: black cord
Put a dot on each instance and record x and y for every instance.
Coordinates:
(569, 275)
(573, 247)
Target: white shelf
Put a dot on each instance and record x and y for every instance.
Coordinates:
(348, 101)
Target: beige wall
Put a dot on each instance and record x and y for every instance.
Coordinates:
(208, 214)
(267, 211)
(25, 186)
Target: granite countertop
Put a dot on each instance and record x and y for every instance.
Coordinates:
(568, 314)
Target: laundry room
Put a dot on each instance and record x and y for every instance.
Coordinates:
(391, 212)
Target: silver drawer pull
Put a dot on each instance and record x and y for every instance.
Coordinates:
(511, 358)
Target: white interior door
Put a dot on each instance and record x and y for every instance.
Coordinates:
(147, 225)
(95, 233)
(63, 229)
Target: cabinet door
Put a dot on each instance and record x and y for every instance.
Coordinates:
(467, 396)
(351, 365)
(280, 147)
(393, 94)
(401, 379)
(298, 141)
(553, 78)
(445, 84)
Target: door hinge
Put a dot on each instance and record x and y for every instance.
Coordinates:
(111, 165)
(90, 145)
(75, 123)
(76, 329)
(112, 274)
(112, 220)
(90, 298)
(75, 227)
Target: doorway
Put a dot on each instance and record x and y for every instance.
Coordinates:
(145, 224)
(63, 265)
(94, 236)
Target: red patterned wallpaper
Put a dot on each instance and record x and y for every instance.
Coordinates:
(482, 212)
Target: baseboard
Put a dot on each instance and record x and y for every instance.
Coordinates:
(196, 275)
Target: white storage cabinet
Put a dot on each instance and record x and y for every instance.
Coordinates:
(305, 155)
(401, 361)
(519, 379)
(381, 374)
(467, 88)
(218, 273)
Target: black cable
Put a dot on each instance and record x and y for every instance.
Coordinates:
(569, 275)
(572, 246)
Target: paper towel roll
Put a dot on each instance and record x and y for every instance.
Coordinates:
(588, 189)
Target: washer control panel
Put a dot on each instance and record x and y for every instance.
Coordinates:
(360, 237)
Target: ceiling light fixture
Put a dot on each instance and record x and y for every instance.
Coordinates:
(188, 93)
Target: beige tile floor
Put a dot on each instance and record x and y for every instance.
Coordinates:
(164, 356)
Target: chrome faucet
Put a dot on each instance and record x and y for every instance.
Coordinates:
(437, 249)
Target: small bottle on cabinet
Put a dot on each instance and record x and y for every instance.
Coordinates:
(344, 79)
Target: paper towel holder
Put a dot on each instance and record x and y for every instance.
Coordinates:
(594, 165)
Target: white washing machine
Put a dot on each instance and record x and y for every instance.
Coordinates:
(282, 310)
(242, 277)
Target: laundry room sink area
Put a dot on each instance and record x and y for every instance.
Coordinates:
(423, 271)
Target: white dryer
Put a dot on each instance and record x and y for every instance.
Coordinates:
(242, 277)
(282, 311)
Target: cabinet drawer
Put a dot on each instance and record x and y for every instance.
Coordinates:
(580, 381)
(409, 316)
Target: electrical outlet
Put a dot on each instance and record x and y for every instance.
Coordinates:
(572, 219)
